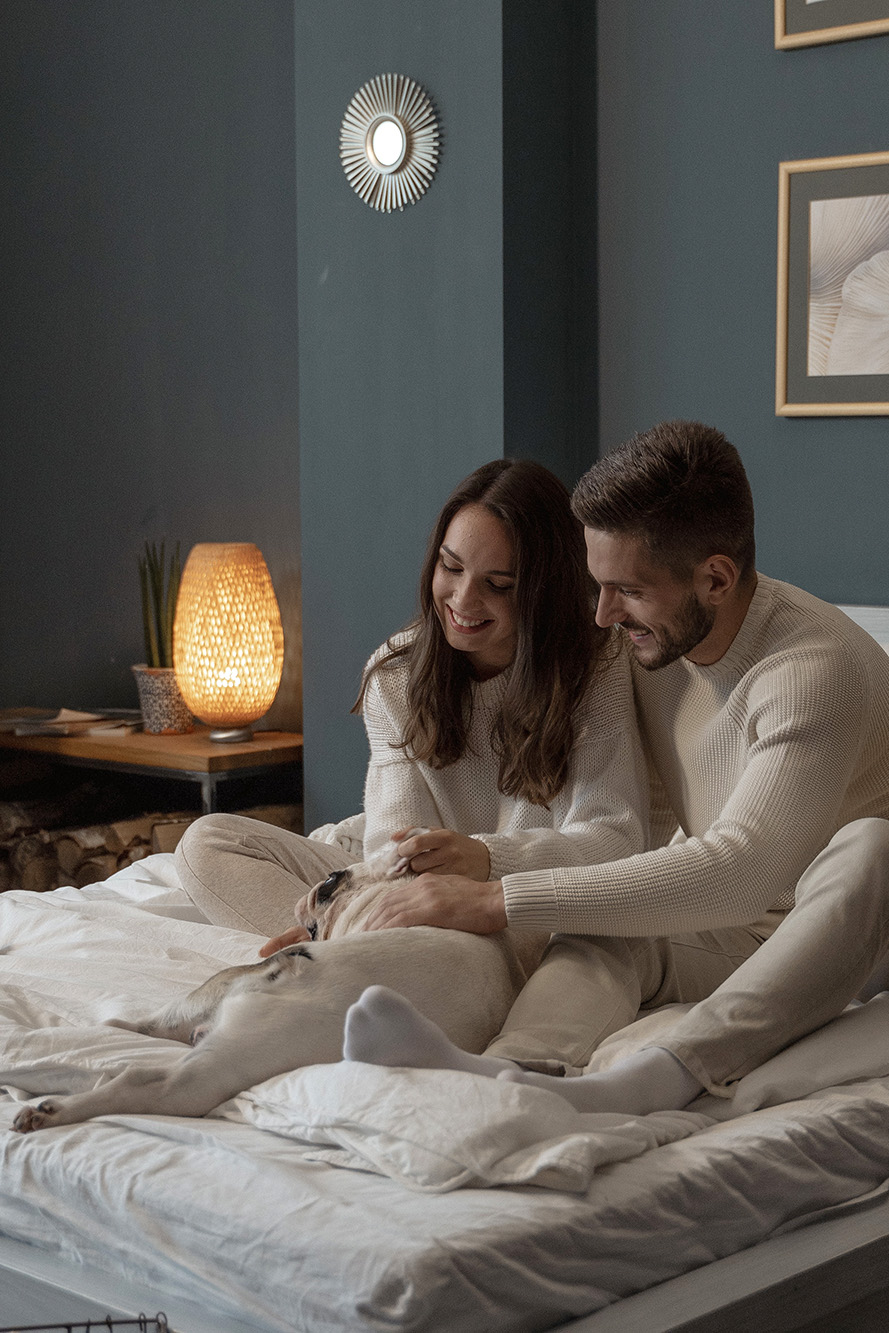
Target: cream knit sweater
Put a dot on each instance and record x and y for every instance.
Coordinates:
(598, 815)
(763, 756)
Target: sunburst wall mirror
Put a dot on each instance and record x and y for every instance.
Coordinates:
(389, 142)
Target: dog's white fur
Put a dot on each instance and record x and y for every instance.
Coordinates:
(249, 1023)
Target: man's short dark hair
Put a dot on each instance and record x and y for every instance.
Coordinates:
(680, 488)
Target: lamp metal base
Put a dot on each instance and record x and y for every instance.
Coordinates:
(227, 735)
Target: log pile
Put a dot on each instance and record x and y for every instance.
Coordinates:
(58, 827)
(41, 859)
(47, 859)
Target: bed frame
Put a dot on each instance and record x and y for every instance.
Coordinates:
(829, 1277)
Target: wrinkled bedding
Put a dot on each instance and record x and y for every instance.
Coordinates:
(348, 1197)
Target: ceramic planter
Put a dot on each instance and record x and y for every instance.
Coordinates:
(163, 709)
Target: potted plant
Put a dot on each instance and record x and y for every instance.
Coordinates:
(163, 708)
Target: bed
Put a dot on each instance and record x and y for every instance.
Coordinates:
(349, 1197)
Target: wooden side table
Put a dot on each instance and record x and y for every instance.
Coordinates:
(191, 758)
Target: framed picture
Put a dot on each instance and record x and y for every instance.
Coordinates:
(811, 22)
(833, 287)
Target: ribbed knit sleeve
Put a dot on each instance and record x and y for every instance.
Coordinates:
(764, 756)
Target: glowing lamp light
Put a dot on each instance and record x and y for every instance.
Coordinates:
(228, 645)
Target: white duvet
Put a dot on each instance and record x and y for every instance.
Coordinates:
(243, 1209)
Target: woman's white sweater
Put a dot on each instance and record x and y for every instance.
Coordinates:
(600, 814)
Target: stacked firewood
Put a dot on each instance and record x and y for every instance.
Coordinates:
(49, 858)
(40, 859)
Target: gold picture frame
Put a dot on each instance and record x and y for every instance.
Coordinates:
(832, 344)
(813, 22)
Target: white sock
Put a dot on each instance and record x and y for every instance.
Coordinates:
(383, 1028)
(651, 1080)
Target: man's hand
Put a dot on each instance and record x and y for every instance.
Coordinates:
(450, 901)
(295, 935)
(444, 852)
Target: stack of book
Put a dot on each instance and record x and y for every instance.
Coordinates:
(68, 721)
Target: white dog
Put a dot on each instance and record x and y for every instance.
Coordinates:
(247, 1024)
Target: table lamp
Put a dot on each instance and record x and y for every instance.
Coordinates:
(228, 645)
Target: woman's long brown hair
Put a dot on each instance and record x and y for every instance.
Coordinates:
(558, 641)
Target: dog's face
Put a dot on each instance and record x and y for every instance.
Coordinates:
(341, 903)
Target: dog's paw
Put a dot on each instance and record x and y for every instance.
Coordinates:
(387, 863)
(35, 1117)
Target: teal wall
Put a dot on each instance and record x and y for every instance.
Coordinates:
(430, 340)
(696, 110)
(148, 321)
(155, 341)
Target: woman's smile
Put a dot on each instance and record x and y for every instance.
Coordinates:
(464, 624)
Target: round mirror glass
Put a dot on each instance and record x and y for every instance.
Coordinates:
(387, 142)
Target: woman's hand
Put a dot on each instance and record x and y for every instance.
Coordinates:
(449, 901)
(295, 935)
(444, 852)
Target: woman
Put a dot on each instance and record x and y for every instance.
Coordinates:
(501, 720)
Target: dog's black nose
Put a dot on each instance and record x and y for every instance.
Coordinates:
(326, 890)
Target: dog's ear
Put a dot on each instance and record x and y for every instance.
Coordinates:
(386, 863)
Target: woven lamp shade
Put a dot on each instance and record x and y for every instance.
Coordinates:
(228, 645)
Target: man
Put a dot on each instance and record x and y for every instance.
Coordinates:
(765, 715)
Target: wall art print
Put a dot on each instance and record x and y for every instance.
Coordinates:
(812, 22)
(833, 287)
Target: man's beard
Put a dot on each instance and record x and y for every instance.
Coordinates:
(693, 623)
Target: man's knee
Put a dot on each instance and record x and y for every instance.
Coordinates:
(867, 837)
(852, 873)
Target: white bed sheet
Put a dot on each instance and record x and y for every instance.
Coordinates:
(260, 1222)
